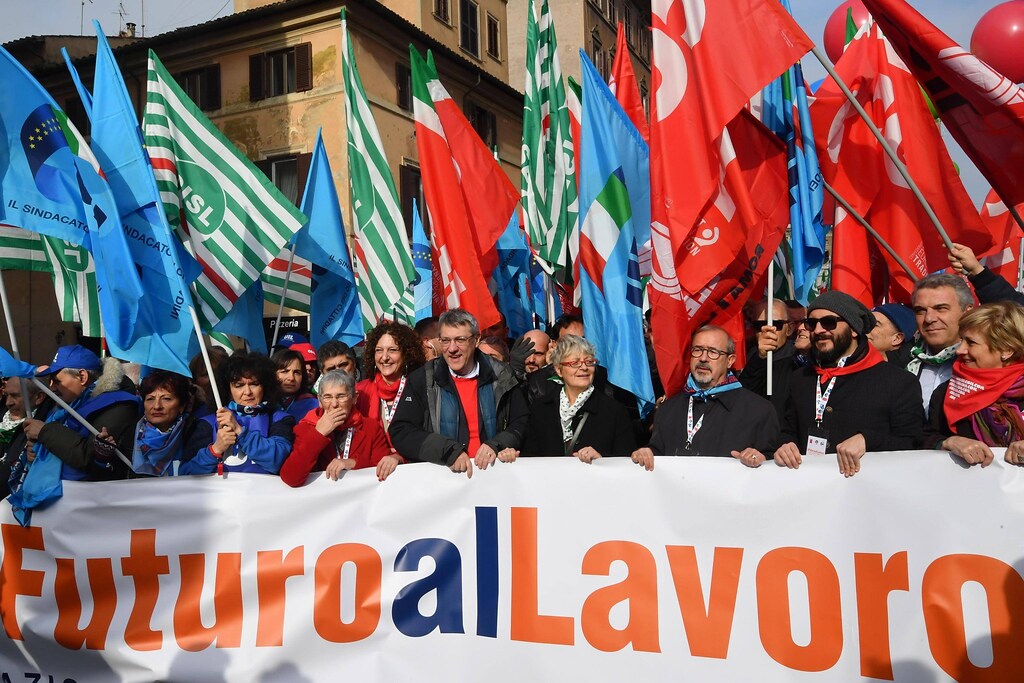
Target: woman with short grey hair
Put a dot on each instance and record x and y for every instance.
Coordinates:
(336, 437)
(577, 420)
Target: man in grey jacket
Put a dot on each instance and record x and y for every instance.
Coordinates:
(462, 408)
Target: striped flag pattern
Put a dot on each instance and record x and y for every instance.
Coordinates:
(300, 285)
(225, 210)
(549, 191)
(74, 274)
(384, 268)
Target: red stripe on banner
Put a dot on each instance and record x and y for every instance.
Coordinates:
(161, 164)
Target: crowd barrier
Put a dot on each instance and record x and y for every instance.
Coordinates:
(540, 570)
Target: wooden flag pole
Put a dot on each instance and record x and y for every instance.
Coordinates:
(900, 166)
(280, 305)
(867, 226)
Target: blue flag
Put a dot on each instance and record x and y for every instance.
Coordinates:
(245, 319)
(52, 184)
(615, 201)
(12, 367)
(83, 92)
(424, 264)
(334, 300)
(511, 279)
(786, 114)
(164, 335)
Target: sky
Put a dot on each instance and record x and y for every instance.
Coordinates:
(68, 17)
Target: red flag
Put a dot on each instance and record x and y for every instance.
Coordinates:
(709, 59)
(983, 109)
(858, 267)
(623, 85)
(857, 167)
(1004, 259)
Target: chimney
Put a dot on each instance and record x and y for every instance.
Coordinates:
(129, 29)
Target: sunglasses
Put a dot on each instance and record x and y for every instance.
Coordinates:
(777, 324)
(827, 322)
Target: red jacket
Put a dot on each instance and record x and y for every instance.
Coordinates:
(312, 451)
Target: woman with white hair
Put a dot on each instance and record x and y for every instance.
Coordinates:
(336, 437)
(577, 420)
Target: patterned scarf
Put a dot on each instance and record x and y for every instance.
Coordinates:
(156, 450)
(567, 412)
(919, 355)
(699, 394)
(990, 399)
(8, 426)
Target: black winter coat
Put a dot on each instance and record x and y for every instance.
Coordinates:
(733, 420)
(608, 429)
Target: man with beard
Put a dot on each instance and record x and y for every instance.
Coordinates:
(714, 414)
(850, 401)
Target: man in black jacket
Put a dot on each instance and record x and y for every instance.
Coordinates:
(714, 414)
(850, 401)
(461, 408)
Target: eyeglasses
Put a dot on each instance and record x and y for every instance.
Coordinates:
(461, 341)
(589, 362)
(335, 397)
(827, 322)
(758, 324)
(713, 353)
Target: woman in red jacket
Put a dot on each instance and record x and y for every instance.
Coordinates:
(335, 437)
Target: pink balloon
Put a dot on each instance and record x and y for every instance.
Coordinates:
(835, 27)
(998, 39)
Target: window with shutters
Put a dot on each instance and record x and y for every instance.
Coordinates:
(613, 11)
(410, 187)
(469, 27)
(443, 11)
(202, 86)
(280, 72)
(493, 36)
(627, 20)
(595, 46)
(485, 123)
(403, 85)
(288, 173)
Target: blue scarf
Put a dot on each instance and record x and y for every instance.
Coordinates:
(699, 394)
(156, 450)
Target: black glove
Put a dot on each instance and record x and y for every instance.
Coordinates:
(520, 351)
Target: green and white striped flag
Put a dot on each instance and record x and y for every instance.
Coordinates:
(550, 202)
(300, 284)
(236, 219)
(72, 268)
(383, 259)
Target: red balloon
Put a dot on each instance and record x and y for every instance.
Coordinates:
(835, 27)
(998, 39)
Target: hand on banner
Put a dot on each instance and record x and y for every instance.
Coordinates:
(849, 453)
(386, 466)
(508, 455)
(463, 464)
(751, 457)
(964, 261)
(788, 455)
(1015, 453)
(485, 456)
(974, 452)
(337, 466)
(588, 455)
(332, 419)
(31, 428)
(644, 457)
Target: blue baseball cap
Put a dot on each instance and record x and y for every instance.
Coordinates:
(901, 316)
(75, 356)
(291, 339)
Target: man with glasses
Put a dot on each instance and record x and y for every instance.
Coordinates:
(463, 408)
(774, 338)
(850, 401)
(714, 414)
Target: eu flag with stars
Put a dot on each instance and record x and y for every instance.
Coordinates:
(615, 210)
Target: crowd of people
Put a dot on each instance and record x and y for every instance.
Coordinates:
(945, 373)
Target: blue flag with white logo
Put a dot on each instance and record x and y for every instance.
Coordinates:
(511, 279)
(615, 207)
(164, 336)
(51, 183)
(334, 299)
(786, 114)
(422, 260)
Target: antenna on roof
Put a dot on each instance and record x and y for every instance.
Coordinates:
(81, 22)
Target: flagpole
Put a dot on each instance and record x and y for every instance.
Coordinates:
(14, 341)
(81, 420)
(770, 313)
(199, 333)
(867, 226)
(280, 305)
(900, 166)
(1016, 216)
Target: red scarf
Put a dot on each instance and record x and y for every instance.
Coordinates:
(872, 358)
(973, 389)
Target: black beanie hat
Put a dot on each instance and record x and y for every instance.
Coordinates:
(856, 314)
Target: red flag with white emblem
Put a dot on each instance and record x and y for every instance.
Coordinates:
(622, 83)
(1004, 258)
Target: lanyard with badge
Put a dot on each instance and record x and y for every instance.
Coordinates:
(817, 437)
(387, 413)
(691, 429)
(343, 454)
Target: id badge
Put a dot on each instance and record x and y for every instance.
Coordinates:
(817, 441)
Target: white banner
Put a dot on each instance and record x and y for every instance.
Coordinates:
(542, 570)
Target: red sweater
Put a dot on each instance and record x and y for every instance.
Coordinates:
(312, 451)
